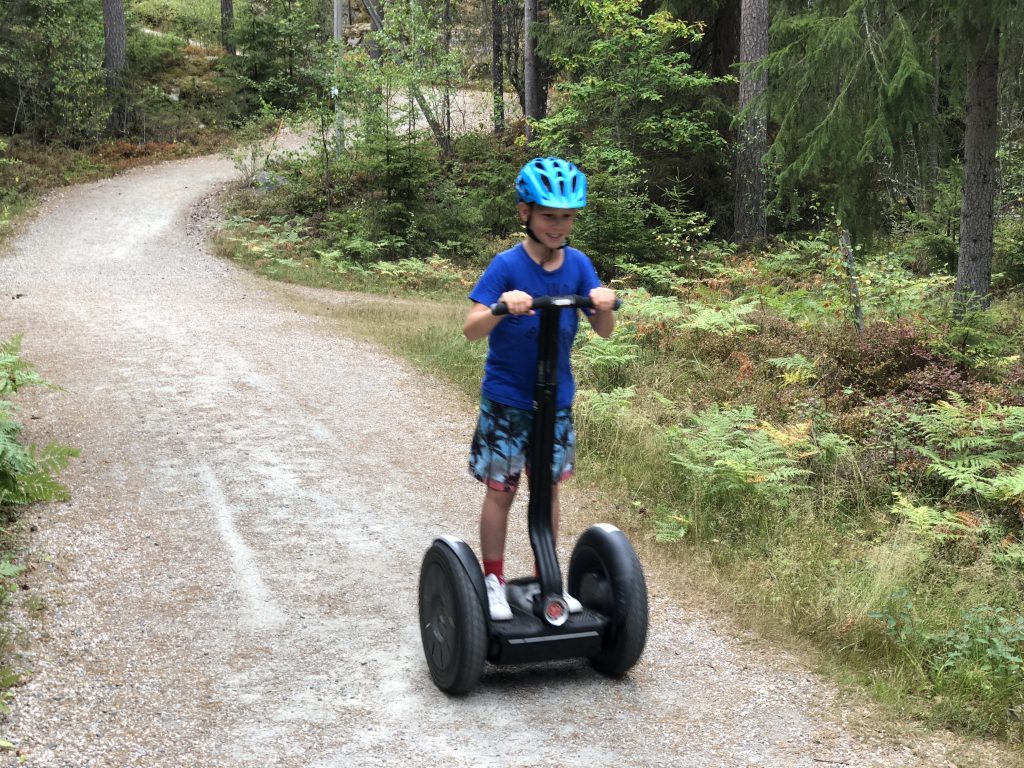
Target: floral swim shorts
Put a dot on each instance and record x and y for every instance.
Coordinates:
(501, 445)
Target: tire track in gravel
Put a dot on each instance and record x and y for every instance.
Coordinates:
(234, 581)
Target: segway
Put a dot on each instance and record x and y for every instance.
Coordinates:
(604, 572)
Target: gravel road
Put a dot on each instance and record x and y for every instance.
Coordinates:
(234, 581)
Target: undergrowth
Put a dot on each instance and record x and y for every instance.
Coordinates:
(27, 475)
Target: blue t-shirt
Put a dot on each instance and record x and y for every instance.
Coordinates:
(510, 372)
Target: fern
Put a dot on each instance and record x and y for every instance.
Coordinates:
(976, 449)
(727, 320)
(607, 404)
(796, 369)
(15, 373)
(643, 306)
(934, 524)
(727, 450)
(603, 353)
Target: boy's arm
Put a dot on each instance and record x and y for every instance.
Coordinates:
(602, 320)
(480, 322)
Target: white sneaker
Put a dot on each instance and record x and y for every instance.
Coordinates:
(500, 610)
(575, 606)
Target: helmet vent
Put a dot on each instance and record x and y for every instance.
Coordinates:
(553, 183)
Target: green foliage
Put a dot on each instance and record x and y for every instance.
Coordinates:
(630, 114)
(849, 85)
(978, 450)
(26, 474)
(934, 525)
(255, 145)
(795, 369)
(727, 319)
(898, 617)
(989, 640)
(631, 84)
(51, 71)
(174, 92)
(605, 361)
(484, 165)
(732, 460)
(613, 228)
(285, 44)
(972, 667)
(197, 20)
(1008, 258)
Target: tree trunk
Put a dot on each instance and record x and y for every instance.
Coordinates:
(850, 262)
(227, 26)
(750, 223)
(114, 43)
(932, 175)
(529, 63)
(376, 14)
(974, 268)
(512, 28)
(497, 72)
(446, 106)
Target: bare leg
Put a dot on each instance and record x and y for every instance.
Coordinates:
(494, 523)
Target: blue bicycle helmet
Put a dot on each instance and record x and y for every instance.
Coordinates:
(552, 182)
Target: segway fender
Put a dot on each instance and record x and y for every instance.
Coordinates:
(464, 553)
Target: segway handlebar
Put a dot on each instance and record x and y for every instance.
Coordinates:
(499, 308)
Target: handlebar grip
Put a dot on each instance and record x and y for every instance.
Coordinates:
(499, 308)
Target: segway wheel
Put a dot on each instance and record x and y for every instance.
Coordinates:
(451, 622)
(605, 575)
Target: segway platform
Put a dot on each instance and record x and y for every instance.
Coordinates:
(528, 638)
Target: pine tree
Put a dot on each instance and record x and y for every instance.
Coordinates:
(749, 218)
(856, 95)
(981, 140)
(115, 42)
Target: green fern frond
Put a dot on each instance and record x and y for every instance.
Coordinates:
(975, 448)
(727, 320)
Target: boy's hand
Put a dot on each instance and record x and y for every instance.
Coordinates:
(603, 298)
(518, 302)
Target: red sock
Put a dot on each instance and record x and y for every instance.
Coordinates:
(497, 567)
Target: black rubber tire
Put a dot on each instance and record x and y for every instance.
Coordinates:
(605, 575)
(452, 624)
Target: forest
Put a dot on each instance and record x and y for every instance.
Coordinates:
(813, 210)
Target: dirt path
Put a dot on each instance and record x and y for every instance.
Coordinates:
(234, 582)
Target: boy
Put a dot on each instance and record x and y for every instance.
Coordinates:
(549, 192)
